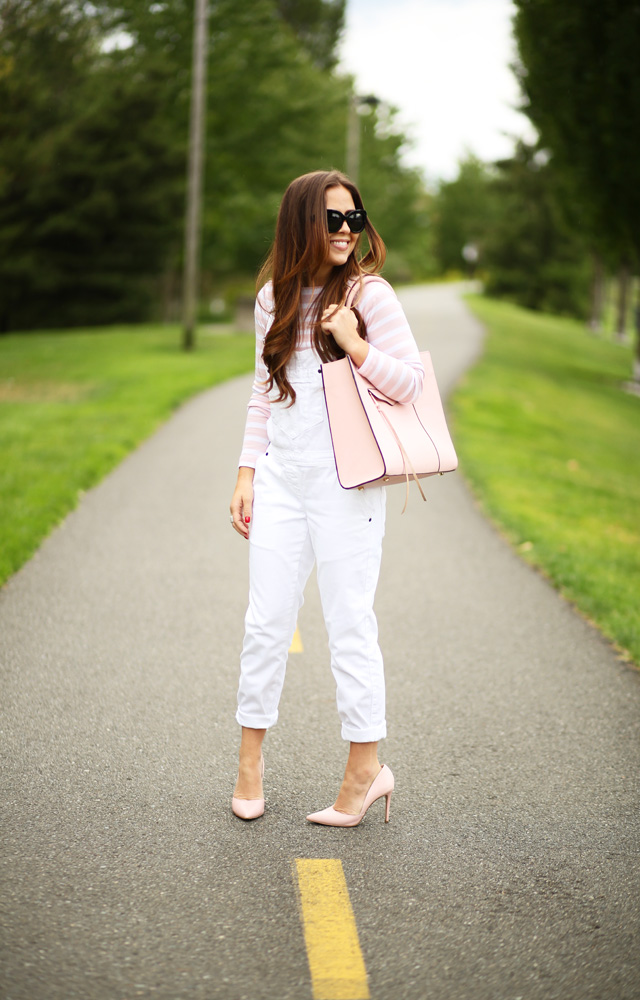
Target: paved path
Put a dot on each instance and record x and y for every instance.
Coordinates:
(509, 869)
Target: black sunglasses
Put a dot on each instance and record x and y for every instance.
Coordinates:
(355, 219)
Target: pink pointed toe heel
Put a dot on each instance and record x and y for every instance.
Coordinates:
(249, 808)
(382, 785)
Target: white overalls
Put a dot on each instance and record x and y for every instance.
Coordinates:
(301, 514)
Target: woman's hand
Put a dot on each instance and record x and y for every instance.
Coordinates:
(241, 506)
(342, 323)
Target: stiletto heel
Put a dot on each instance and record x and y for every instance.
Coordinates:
(249, 808)
(382, 785)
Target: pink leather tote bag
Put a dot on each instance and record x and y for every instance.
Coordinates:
(377, 441)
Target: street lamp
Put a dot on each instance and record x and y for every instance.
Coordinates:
(357, 106)
(471, 254)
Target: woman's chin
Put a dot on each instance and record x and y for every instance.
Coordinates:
(339, 259)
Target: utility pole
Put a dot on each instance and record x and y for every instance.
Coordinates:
(194, 176)
(353, 140)
(357, 107)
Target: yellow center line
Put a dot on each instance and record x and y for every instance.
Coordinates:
(331, 936)
(296, 643)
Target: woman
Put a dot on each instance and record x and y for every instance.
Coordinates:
(288, 501)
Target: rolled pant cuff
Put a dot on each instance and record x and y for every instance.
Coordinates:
(256, 721)
(371, 735)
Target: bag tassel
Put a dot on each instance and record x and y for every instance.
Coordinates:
(405, 458)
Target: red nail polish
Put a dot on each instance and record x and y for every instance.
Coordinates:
(247, 520)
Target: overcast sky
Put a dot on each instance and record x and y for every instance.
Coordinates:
(445, 65)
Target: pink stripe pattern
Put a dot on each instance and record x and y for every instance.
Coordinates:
(392, 365)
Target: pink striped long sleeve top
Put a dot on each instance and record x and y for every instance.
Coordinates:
(392, 365)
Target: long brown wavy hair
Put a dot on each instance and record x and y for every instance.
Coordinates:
(299, 249)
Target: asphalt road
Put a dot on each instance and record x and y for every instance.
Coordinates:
(510, 866)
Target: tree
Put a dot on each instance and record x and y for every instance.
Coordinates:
(578, 71)
(318, 25)
(532, 256)
(395, 197)
(89, 176)
(463, 213)
(274, 114)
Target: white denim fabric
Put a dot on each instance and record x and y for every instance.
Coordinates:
(301, 515)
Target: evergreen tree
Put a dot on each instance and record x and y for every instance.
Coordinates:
(464, 213)
(395, 198)
(318, 24)
(579, 75)
(531, 255)
(89, 180)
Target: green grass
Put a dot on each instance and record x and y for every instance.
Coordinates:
(73, 404)
(551, 446)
